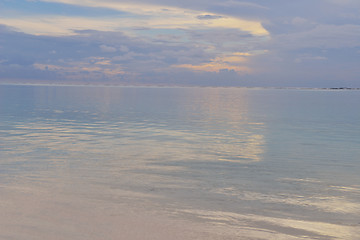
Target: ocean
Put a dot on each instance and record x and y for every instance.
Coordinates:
(101, 162)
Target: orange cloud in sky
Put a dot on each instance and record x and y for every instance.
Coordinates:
(235, 61)
(76, 67)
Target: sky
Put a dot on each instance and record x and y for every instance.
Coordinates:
(278, 43)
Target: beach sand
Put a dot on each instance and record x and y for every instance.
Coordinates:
(35, 213)
(61, 212)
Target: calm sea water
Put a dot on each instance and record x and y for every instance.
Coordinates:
(281, 162)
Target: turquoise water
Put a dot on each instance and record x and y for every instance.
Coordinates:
(279, 161)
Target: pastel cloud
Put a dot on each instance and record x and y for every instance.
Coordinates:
(234, 62)
(138, 15)
(150, 23)
(249, 43)
(58, 25)
(106, 48)
(321, 36)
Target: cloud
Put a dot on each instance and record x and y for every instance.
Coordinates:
(132, 39)
(344, 2)
(286, 42)
(321, 36)
(299, 21)
(233, 3)
(91, 55)
(124, 48)
(80, 56)
(108, 49)
(57, 25)
(208, 16)
(234, 62)
(138, 15)
(307, 57)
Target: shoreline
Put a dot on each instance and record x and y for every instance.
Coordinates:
(177, 86)
(56, 213)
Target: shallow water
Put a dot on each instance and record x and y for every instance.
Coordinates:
(249, 163)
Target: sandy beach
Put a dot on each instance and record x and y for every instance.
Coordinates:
(39, 213)
(35, 213)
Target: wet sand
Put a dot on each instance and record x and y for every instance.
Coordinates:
(34, 212)
(30, 213)
(37, 212)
